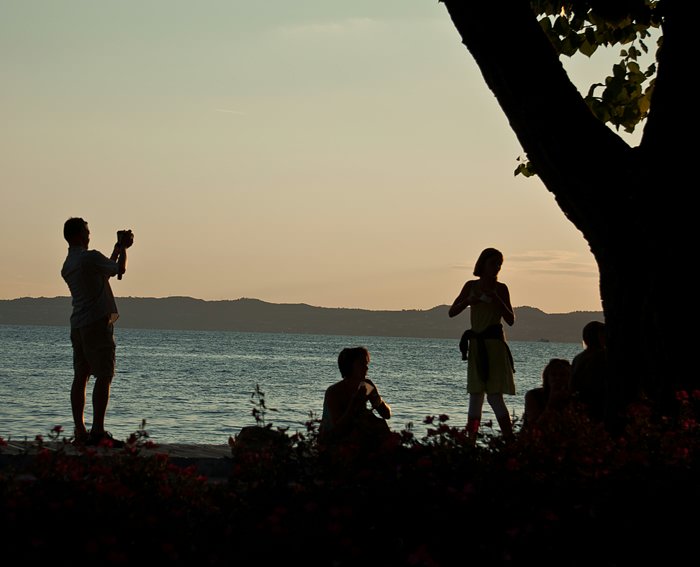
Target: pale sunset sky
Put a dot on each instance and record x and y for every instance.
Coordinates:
(339, 153)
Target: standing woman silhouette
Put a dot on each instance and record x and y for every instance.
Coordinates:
(490, 364)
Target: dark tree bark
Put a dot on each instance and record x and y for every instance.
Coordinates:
(629, 203)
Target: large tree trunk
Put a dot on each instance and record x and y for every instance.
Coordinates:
(622, 199)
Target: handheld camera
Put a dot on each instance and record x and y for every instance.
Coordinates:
(125, 238)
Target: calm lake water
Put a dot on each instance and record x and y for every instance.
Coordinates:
(198, 386)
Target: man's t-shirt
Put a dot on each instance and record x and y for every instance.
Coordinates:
(87, 274)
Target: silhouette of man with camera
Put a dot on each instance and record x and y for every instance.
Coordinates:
(87, 274)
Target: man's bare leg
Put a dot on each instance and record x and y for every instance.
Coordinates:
(100, 401)
(77, 402)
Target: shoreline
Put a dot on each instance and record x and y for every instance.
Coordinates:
(212, 461)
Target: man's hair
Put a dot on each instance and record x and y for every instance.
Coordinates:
(73, 227)
(347, 358)
(592, 334)
(483, 257)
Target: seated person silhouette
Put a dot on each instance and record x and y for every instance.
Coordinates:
(346, 419)
(544, 405)
(589, 370)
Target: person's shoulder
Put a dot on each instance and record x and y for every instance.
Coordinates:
(85, 256)
(468, 285)
(95, 255)
(333, 388)
(581, 358)
(534, 393)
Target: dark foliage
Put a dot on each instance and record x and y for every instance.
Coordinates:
(572, 495)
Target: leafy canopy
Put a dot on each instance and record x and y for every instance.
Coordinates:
(582, 26)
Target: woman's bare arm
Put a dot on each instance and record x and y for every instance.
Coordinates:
(463, 300)
(502, 295)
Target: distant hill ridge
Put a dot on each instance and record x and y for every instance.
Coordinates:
(254, 315)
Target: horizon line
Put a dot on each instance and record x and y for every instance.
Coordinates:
(290, 303)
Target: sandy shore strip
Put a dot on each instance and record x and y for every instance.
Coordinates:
(213, 461)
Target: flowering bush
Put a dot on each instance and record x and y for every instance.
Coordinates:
(569, 494)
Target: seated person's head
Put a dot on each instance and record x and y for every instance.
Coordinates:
(594, 334)
(556, 376)
(349, 357)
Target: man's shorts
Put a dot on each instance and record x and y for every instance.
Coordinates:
(94, 349)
